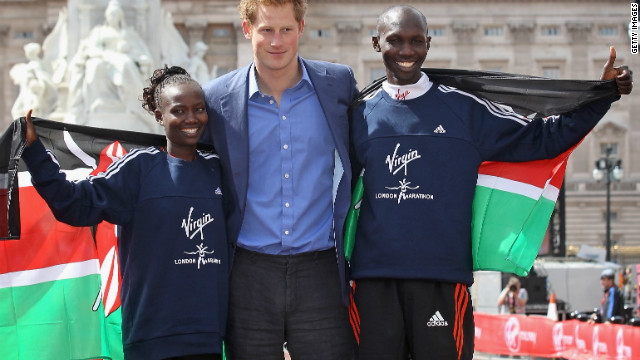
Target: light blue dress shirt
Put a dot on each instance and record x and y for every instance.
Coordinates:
(289, 206)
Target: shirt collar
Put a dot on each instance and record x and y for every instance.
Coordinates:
(253, 81)
(408, 92)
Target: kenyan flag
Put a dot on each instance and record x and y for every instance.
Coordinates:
(59, 285)
(49, 284)
(511, 210)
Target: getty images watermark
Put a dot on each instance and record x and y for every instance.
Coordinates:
(633, 28)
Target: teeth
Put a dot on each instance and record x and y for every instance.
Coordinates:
(190, 131)
(406, 63)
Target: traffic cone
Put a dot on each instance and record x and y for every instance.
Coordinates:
(552, 312)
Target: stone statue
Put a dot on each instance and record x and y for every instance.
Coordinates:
(173, 49)
(37, 90)
(214, 71)
(99, 84)
(197, 66)
(107, 74)
(55, 48)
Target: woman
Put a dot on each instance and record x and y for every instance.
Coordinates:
(172, 244)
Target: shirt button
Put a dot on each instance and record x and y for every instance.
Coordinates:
(286, 176)
(286, 232)
(286, 146)
(286, 204)
(270, 101)
(284, 117)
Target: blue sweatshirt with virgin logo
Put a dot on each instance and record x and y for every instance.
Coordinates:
(173, 250)
(421, 158)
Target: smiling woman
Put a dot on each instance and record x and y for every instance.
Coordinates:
(177, 102)
(173, 231)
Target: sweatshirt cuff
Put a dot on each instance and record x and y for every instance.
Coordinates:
(38, 162)
(32, 152)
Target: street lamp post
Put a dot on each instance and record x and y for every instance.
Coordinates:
(609, 168)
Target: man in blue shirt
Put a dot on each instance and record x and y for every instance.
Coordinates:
(280, 127)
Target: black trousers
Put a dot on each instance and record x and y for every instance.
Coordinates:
(287, 298)
(413, 319)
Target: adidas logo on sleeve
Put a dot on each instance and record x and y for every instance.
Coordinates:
(437, 320)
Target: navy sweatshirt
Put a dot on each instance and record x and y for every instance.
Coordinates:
(421, 160)
(173, 248)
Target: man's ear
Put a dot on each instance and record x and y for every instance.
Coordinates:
(375, 41)
(246, 30)
(300, 28)
(428, 42)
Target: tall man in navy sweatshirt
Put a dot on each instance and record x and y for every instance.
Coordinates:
(421, 144)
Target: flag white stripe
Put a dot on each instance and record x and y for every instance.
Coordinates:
(52, 273)
(77, 151)
(494, 182)
(110, 295)
(24, 177)
(551, 192)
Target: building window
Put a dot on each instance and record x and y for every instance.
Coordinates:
(604, 146)
(221, 33)
(550, 31)
(494, 31)
(23, 35)
(613, 214)
(608, 31)
(551, 72)
(320, 34)
(437, 31)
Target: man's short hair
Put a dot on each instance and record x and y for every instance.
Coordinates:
(384, 17)
(248, 9)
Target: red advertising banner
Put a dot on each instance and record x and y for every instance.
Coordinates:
(540, 336)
